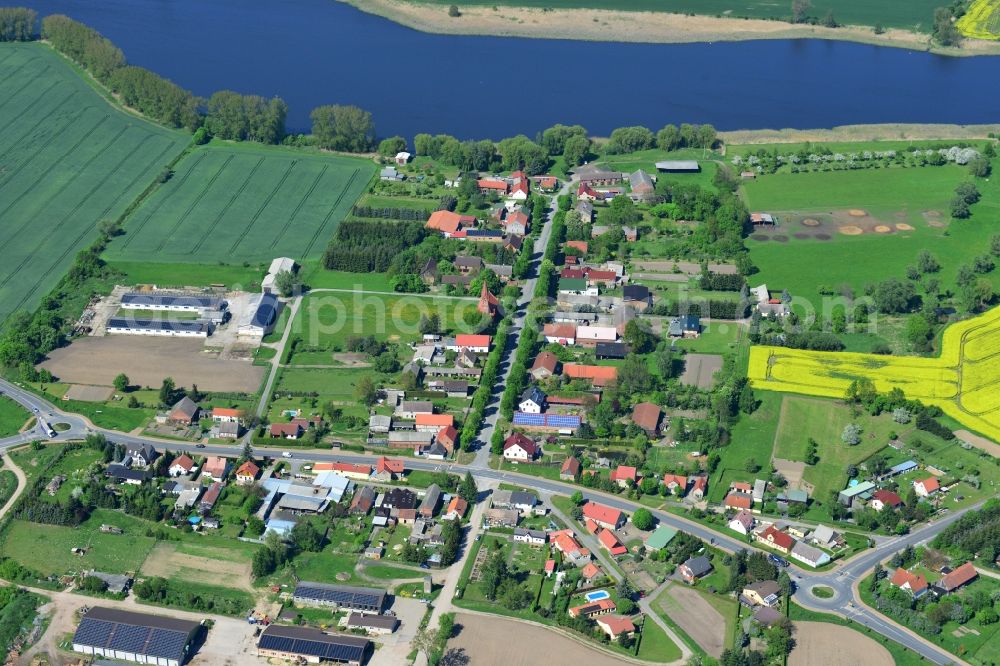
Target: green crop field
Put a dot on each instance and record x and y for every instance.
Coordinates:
(247, 201)
(912, 14)
(918, 197)
(68, 159)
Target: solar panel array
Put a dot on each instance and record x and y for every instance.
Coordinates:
(348, 597)
(546, 420)
(323, 650)
(206, 302)
(123, 323)
(150, 641)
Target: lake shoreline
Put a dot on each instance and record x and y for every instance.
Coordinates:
(639, 27)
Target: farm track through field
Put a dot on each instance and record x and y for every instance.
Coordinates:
(43, 240)
(18, 92)
(17, 116)
(71, 248)
(204, 190)
(236, 195)
(263, 205)
(132, 234)
(336, 205)
(44, 175)
(298, 207)
(4, 178)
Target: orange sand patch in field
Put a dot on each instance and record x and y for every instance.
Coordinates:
(883, 229)
(902, 226)
(857, 212)
(851, 230)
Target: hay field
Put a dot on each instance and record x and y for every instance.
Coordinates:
(962, 381)
(244, 202)
(68, 159)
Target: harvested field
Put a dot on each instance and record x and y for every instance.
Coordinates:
(229, 569)
(696, 617)
(88, 393)
(699, 369)
(486, 640)
(833, 645)
(147, 360)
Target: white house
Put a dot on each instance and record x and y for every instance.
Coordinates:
(814, 557)
(532, 400)
(181, 465)
(589, 336)
(926, 487)
(742, 522)
(519, 448)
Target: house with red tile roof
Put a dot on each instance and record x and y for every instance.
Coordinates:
(181, 465)
(357, 471)
(550, 568)
(676, 483)
(226, 415)
(456, 509)
(479, 344)
(611, 543)
(591, 572)
(593, 608)
(699, 486)
(285, 430)
(570, 469)
(615, 625)
(926, 487)
(586, 193)
(433, 422)
(882, 499)
(913, 583)
(215, 467)
(776, 539)
(598, 375)
(520, 447)
(448, 438)
(741, 487)
(546, 364)
(448, 223)
(560, 333)
(247, 473)
(742, 522)
(546, 183)
(579, 245)
(493, 186)
(738, 501)
(520, 190)
(624, 476)
(958, 577)
(647, 416)
(565, 542)
(388, 469)
(605, 516)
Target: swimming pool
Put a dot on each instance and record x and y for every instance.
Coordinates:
(597, 595)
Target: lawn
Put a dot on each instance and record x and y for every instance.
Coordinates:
(67, 160)
(46, 548)
(329, 319)
(753, 437)
(8, 484)
(718, 337)
(112, 417)
(909, 14)
(244, 200)
(190, 275)
(33, 462)
(893, 196)
(317, 277)
(826, 421)
(12, 415)
(384, 572)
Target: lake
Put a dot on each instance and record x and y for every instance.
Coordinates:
(313, 52)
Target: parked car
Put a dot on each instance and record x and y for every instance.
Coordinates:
(286, 454)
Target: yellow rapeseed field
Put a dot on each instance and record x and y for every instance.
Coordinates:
(964, 380)
(981, 21)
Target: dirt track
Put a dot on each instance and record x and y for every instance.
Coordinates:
(833, 645)
(696, 617)
(700, 368)
(979, 442)
(147, 360)
(494, 640)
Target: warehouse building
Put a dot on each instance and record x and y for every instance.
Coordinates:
(172, 302)
(342, 597)
(135, 637)
(160, 327)
(312, 645)
(260, 316)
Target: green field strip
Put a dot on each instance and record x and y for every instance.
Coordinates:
(21, 136)
(298, 207)
(18, 114)
(44, 175)
(263, 204)
(204, 190)
(163, 195)
(283, 195)
(38, 282)
(333, 210)
(232, 200)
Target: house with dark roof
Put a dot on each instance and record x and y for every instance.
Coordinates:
(611, 350)
(532, 400)
(762, 593)
(184, 412)
(637, 295)
(694, 568)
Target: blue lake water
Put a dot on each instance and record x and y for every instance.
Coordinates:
(313, 52)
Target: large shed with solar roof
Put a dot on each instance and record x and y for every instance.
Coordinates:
(135, 637)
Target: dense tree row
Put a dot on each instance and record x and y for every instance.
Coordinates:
(18, 24)
(345, 128)
(721, 282)
(84, 45)
(716, 309)
(977, 533)
(156, 97)
(246, 117)
(362, 246)
(385, 213)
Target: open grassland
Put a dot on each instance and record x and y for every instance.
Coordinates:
(47, 549)
(827, 420)
(981, 20)
(248, 201)
(68, 159)
(12, 417)
(915, 197)
(910, 14)
(962, 380)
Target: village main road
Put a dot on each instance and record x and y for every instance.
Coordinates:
(492, 411)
